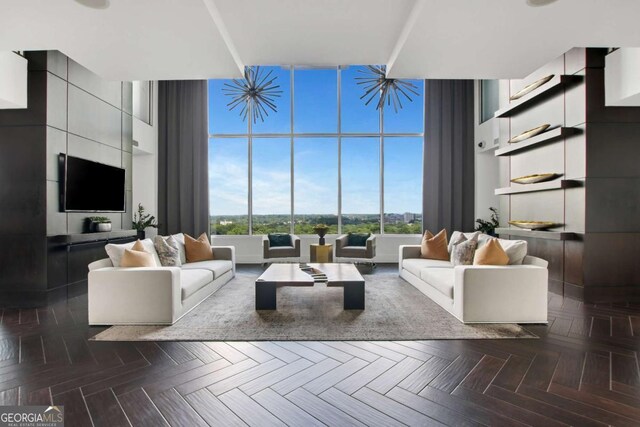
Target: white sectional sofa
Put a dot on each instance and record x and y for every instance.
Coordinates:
(480, 293)
(154, 295)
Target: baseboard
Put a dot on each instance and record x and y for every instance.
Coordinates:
(34, 299)
(619, 294)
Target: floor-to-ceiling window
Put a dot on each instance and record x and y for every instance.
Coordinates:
(323, 157)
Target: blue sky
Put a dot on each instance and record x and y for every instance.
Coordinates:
(315, 158)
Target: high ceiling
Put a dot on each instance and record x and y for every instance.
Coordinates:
(187, 39)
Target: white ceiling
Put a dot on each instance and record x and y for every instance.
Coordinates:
(186, 39)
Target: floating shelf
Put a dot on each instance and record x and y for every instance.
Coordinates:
(543, 138)
(91, 237)
(558, 184)
(549, 235)
(545, 91)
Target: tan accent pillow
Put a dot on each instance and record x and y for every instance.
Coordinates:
(198, 250)
(491, 253)
(435, 247)
(137, 257)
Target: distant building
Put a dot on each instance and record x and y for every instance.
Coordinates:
(409, 217)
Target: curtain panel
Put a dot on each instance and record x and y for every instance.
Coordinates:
(183, 152)
(448, 172)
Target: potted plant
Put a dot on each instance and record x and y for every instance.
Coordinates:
(99, 224)
(142, 220)
(321, 230)
(489, 227)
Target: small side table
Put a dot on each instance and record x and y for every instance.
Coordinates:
(321, 253)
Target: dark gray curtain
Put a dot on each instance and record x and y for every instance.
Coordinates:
(448, 184)
(183, 182)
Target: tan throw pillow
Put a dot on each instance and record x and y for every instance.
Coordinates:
(198, 250)
(435, 247)
(491, 253)
(137, 257)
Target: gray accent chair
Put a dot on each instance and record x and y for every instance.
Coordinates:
(367, 252)
(269, 253)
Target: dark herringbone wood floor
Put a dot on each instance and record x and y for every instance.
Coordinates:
(583, 372)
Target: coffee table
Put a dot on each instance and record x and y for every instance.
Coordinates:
(279, 275)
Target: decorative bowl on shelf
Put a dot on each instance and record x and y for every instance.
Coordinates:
(538, 177)
(530, 87)
(529, 133)
(534, 225)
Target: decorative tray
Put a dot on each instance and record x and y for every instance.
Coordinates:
(529, 133)
(534, 225)
(538, 177)
(530, 87)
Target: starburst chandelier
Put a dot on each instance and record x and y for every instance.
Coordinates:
(376, 83)
(255, 93)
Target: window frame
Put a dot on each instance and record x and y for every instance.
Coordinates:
(338, 135)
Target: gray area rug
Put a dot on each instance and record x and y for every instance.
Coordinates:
(395, 310)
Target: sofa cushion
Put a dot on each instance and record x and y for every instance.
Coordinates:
(137, 257)
(183, 253)
(282, 252)
(357, 239)
(414, 265)
(192, 280)
(516, 250)
(473, 235)
(198, 249)
(279, 240)
(167, 248)
(491, 254)
(217, 267)
(440, 278)
(116, 251)
(353, 252)
(434, 247)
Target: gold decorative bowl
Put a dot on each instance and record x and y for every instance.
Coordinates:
(530, 87)
(529, 133)
(538, 177)
(534, 225)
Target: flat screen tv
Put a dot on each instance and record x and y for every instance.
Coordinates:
(88, 186)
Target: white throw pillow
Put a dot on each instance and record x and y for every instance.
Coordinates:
(183, 254)
(473, 235)
(116, 252)
(516, 250)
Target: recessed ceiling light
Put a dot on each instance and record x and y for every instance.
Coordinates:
(538, 3)
(95, 4)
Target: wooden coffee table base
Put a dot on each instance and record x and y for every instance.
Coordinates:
(278, 275)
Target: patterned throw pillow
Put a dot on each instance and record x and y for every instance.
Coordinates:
(167, 248)
(463, 250)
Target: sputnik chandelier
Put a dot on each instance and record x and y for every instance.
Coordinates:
(376, 83)
(255, 94)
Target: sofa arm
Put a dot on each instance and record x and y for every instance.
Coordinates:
(147, 295)
(371, 246)
(226, 253)
(510, 294)
(409, 251)
(295, 242)
(341, 241)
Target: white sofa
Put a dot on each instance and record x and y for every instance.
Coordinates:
(154, 295)
(480, 293)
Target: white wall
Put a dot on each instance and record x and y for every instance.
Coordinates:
(13, 80)
(622, 85)
(145, 160)
(486, 164)
(249, 248)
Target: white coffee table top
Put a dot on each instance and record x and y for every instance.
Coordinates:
(292, 275)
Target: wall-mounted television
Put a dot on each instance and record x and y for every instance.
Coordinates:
(87, 186)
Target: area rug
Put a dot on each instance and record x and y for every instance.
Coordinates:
(394, 310)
